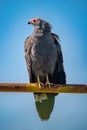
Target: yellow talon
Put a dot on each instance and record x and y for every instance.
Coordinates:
(38, 81)
(47, 81)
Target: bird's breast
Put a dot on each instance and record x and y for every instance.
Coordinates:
(44, 56)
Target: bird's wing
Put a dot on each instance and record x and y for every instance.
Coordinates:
(59, 51)
(59, 74)
(27, 49)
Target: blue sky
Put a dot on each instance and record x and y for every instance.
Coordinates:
(69, 20)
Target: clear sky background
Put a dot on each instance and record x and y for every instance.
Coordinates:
(69, 20)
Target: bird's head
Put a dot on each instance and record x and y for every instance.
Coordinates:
(34, 21)
(40, 23)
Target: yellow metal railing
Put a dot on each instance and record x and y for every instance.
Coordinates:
(33, 87)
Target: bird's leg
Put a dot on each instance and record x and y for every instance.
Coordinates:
(39, 83)
(47, 81)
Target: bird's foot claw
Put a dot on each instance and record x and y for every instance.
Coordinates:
(40, 84)
(49, 85)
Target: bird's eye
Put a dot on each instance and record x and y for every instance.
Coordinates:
(34, 20)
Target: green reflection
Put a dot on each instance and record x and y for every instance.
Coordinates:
(44, 105)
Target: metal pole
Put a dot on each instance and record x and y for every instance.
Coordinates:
(33, 87)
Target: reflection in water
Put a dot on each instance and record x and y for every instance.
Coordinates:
(44, 105)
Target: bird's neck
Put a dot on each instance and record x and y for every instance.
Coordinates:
(39, 32)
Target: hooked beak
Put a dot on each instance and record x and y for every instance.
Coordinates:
(29, 22)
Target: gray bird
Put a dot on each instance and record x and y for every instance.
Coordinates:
(44, 61)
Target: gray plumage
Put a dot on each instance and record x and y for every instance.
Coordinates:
(44, 56)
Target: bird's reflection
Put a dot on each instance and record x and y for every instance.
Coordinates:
(44, 104)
